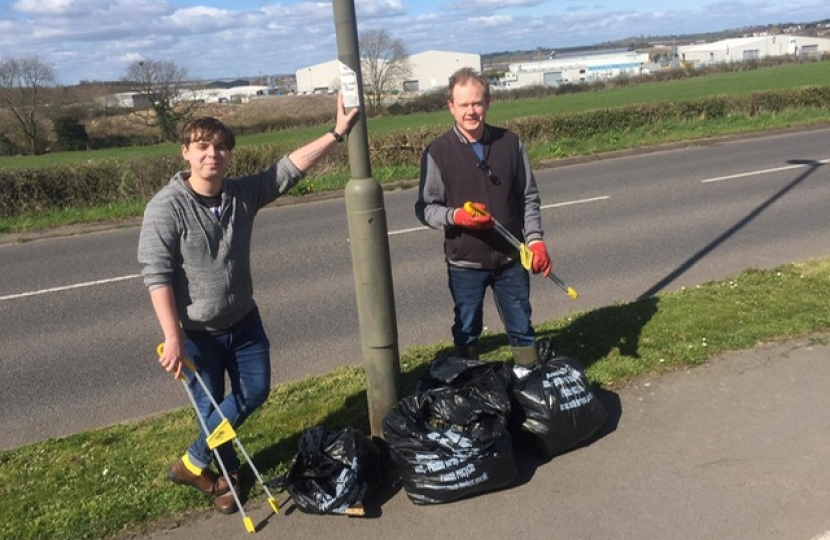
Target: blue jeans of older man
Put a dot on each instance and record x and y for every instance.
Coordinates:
(243, 354)
(511, 291)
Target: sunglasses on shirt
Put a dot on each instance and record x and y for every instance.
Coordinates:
(484, 166)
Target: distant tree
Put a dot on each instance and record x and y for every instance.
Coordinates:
(24, 82)
(162, 84)
(384, 62)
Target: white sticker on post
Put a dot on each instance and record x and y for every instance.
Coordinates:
(348, 87)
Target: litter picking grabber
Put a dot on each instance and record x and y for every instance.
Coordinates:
(223, 433)
(525, 254)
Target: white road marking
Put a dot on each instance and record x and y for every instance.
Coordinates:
(580, 201)
(404, 231)
(68, 287)
(762, 171)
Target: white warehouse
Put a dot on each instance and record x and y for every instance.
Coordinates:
(235, 94)
(752, 48)
(575, 68)
(431, 71)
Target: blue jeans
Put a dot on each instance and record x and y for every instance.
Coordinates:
(243, 353)
(511, 291)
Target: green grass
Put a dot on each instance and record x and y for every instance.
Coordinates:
(74, 158)
(110, 483)
(71, 216)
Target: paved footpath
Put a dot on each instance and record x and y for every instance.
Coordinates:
(738, 449)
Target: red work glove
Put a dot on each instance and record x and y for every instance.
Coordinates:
(481, 220)
(541, 259)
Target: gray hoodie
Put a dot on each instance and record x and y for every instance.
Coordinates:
(208, 260)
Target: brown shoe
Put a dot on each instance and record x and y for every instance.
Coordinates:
(225, 503)
(207, 482)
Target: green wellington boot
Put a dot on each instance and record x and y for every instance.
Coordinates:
(525, 356)
(467, 351)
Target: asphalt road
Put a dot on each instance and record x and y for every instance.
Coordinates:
(78, 334)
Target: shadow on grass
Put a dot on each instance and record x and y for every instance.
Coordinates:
(597, 334)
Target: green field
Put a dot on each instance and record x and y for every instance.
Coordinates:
(772, 78)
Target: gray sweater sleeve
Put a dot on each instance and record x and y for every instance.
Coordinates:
(277, 180)
(430, 208)
(158, 240)
(533, 203)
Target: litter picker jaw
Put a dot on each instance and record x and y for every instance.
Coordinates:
(525, 255)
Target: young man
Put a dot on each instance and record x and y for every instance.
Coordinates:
(489, 166)
(194, 249)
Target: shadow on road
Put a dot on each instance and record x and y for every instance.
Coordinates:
(811, 165)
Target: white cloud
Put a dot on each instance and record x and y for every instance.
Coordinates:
(378, 9)
(200, 20)
(490, 5)
(47, 6)
(98, 39)
(492, 21)
(73, 9)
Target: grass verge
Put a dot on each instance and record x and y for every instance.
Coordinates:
(111, 483)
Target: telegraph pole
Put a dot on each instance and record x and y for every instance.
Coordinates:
(368, 236)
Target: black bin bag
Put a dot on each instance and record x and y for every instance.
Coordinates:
(555, 409)
(333, 472)
(449, 440)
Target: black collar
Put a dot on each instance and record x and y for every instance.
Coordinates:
(485, 138)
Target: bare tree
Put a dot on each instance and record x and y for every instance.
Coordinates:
(162, 83)
(384, 62)
(24, 82)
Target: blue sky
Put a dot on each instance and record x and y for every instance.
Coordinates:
(98, 39)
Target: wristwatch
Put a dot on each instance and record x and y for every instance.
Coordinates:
(337, 137)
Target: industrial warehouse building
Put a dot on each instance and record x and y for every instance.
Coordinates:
(575, 67)
(752, 48)
(591, 66)
(431, 70)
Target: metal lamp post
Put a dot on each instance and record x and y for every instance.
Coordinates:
(368, 238)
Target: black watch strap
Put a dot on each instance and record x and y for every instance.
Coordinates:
(338, 137)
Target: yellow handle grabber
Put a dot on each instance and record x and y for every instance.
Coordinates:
(223, 433)
(525, 255)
